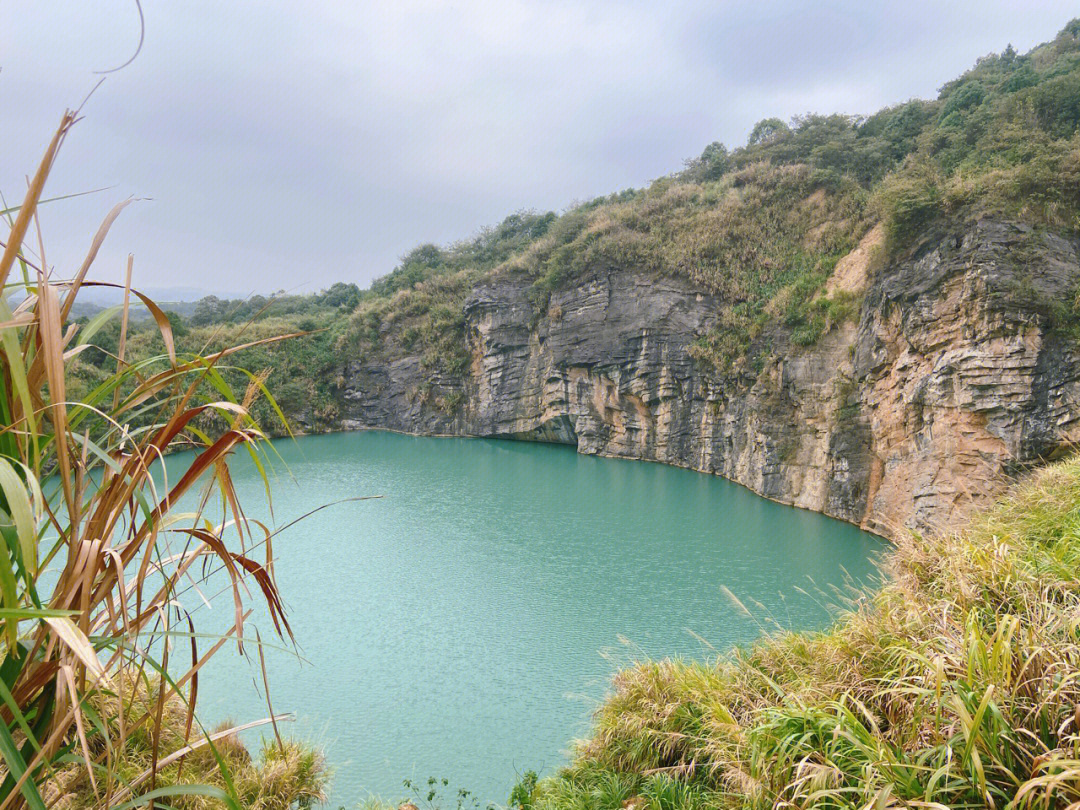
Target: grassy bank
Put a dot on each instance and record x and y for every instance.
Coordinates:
(280, 777)
(955, 686)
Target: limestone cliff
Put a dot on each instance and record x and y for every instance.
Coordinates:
(954, 377)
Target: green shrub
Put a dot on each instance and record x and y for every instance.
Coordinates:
(908, 203)
(1057, 105)
(767, 131)
(712, 164)
(967, 95)
(521, 795)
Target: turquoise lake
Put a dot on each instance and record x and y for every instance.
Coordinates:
(466, 624)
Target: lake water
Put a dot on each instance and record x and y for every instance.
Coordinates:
(467, 624)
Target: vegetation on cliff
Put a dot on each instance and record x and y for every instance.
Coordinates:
(761, 226)
(955, 686)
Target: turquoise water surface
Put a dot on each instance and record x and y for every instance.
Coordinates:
(466, 624)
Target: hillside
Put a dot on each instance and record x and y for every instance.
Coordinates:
(872, 317)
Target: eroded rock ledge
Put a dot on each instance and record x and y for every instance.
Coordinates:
(955, 378)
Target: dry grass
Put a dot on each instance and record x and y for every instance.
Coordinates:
(955, 686)
(284, 776)
(95, 554)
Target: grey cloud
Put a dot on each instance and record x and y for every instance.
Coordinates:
(291, 145)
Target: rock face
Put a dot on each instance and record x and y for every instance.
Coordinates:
(955, 377)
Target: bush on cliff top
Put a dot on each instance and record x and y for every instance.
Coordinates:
(955, 686)
(758, 226)
(1002, 139)
(758, 222)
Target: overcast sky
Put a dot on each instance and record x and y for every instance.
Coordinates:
(292, 145)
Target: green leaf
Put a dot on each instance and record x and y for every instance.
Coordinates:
(180, 790)
(16, 368)
(17, 767)
(16, 712)
(21, 509)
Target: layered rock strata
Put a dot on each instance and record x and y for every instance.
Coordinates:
(958, 373)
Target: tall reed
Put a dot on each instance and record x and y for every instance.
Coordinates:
(95, 554)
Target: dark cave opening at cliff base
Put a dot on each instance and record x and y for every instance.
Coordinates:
(559, 430)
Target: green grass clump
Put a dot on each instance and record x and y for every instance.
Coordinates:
(955, 686)
(284, 776)
(426, 319)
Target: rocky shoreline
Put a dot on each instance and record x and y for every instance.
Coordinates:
(954, 378)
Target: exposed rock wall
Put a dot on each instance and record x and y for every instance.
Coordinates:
(954, 378)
